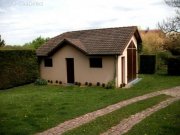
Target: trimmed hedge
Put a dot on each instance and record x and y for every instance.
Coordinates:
(147, 64)
(174, 66)
(17, 67)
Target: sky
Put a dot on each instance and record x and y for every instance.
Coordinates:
(21, 21)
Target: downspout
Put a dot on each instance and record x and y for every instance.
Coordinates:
(115, 71)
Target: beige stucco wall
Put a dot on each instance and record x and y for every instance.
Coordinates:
(119, 67)
(82, 71)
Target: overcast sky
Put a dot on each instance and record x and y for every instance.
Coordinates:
(23, 20)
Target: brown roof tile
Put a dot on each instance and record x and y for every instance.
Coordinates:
(109, 41)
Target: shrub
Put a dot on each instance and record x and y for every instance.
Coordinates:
(122, 85)
(17, 67)
(98, 84)
(175, 51)
(86, 83)
(103, 84)
(40, 82)
(90, 84)
(162, 59)
(56, 81)
(110, 85)
(60, 82)
(79, 84)
(76, 83)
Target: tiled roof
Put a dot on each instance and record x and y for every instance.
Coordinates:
(109, 41)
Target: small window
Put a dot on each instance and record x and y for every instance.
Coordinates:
(48, 62)
(95, 62)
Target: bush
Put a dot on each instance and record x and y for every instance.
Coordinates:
(60, 82)
(76, 83)
(163, 56)
(162, 59)
(122, 85)
(40, 82)
(175, 51)
(98, 84)
(110, 85)
(90, 84)
(79, 84)
(17, 67)
(103, 84)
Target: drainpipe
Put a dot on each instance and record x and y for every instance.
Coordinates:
(115, 69)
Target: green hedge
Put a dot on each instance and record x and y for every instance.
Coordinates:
(17, 67)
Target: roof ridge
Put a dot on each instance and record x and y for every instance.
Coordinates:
(67, 32)
(99, 29)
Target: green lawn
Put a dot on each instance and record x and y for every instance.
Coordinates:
(103, 123)
(29, 109)
(163, 122)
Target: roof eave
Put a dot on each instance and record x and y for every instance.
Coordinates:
(50, 53)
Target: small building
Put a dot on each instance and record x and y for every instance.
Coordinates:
(93, 56)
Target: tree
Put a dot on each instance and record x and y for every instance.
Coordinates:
(2, 42)
(171, 27)
(173, 3)
(153, 41)
(172, 24)
(36, 43)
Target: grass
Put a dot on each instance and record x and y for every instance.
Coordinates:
(29, 109)
(103, 123)
(163, 122)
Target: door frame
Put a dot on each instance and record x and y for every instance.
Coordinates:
(123, 70)
(131, 62)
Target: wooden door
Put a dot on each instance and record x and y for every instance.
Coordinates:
(70, 70)
(131, 61)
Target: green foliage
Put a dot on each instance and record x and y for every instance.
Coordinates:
(17, 67)
(162, 58)
(40, 81)
(2, 42)
(110, 85)
(14, 47)
(172, 44)
(36, 43)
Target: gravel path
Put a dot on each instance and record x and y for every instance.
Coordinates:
(73, 123)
